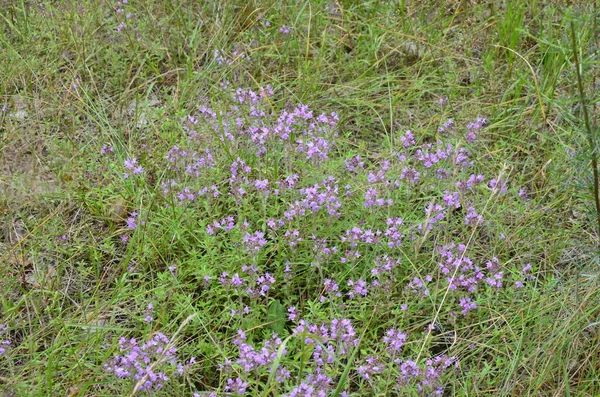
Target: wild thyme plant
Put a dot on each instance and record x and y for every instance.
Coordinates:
(252, 198)
(339, 238)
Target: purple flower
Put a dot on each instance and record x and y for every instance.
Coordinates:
(357, 288)
(284, 29)
(236, 386)
(293, 313)
(371, 366)
(255, 241)
(523, 194)
(282, 374)
(434, 213)
(147, 364)
(498, 185)
(427, 379)
(408, 139)
(107, 149)
(394, 339)
(472, 217)
(131, 223)
(451, 199)
(417, 286)
(467, 305)
(519, 284)
(338, 338)
(132, 164)
(470, 183)
(252, 359)
(473, 128)
(219, 56)
(495, 274)
(149, 313)
(293, 237)
(353, 164)
(447, 126)
(3, 342)
(410, 174)
(316, 148)
(261, 185)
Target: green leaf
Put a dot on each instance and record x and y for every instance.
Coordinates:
(276, 317)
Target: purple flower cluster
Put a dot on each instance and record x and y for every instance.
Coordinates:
(251, 359)
(250, 127)
(498, 185)
(427, 378)
(132, 221)
(447, 126)
(371, 366)
(236, 386)
(382, 272)
(467, 304)
(393, 232)
(293, 237)
(434, 213)
(107, 149)
(455, 263)
(147, 364)
(331, 288)
(4, 343)
(250, 283)
(354, 164)
(192, 163)
(255, 241)
(357, 288)
(359, 235)
(472, 217)
(226, 224)
(473, 128)
(149, 313)
(418, 286)
(315, 149)
(318, 385)
(526, 274)
(131, 165)
(372, 198)
(495, 274)
(336, 339)
(394, 340)
(316, 197)
(430, 155)
(408, 139)
(470, 183)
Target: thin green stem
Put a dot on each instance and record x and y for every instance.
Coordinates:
(588, 127)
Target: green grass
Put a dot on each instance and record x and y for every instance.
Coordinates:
(71, 83)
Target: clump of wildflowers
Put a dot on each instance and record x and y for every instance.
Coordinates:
(251, 359)
(343, 223)
(148, 364)
(426, 378)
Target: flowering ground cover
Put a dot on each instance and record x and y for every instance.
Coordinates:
(313, 198)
